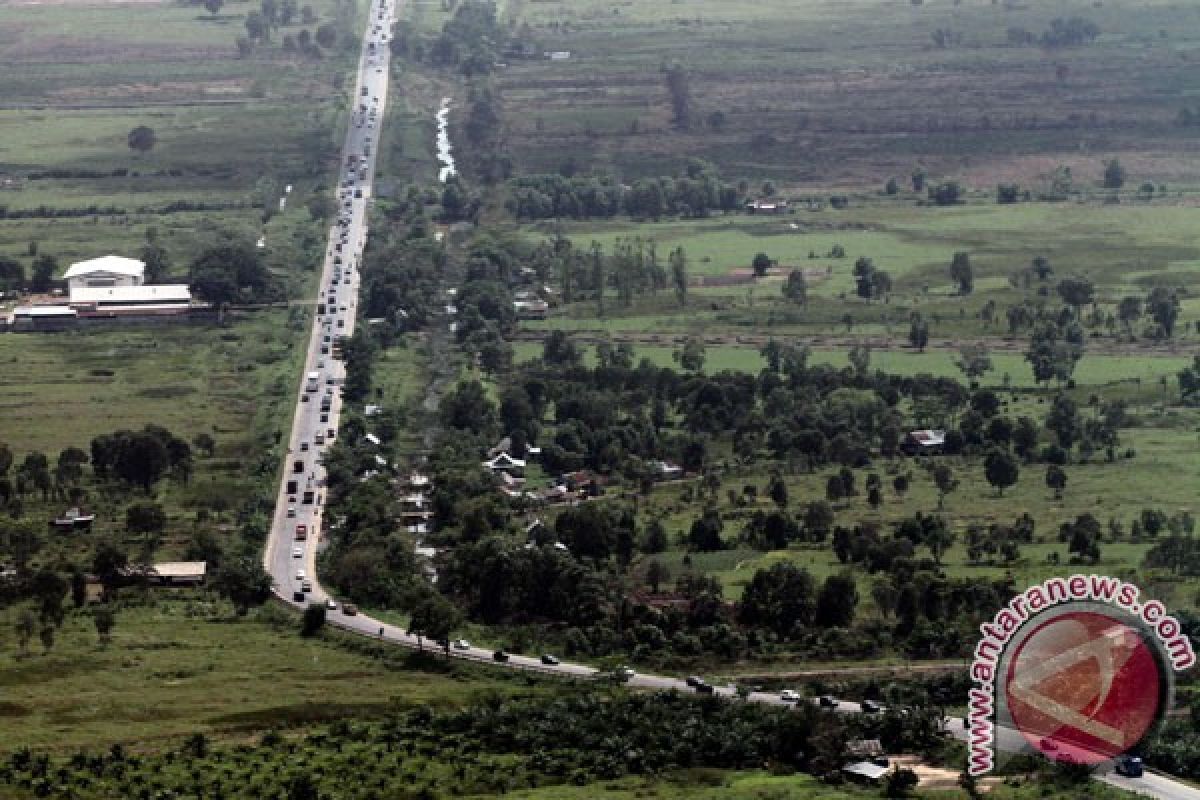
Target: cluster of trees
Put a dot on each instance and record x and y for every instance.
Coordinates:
(272, 15)
(230, 272)
(141, 458)
(1069, 32)
(40, 278)
(696, 192)
(509, 742)
(471, 40)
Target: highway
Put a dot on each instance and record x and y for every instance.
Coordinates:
(289, 556)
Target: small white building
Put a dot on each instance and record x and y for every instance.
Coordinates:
(107, 271)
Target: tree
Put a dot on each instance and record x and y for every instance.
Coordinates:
(795, 288)
(974, 360)
(1056, 479)
(142, 139)
(256, 26)
(1114, 174)
(1076, 292)
(78, 589)
(1063, 421)
(321, 206)
(12, 275)
(46, 634)
(691, 355)
(145, 518)
(326, 36)
(900, 782)
(656, 573)
(26, 626)
(313, 619)
(761, 263)
(222, 273)
(961, 273)
(243, 582)
(1129, 310)
(943, 478)
(918, 332)
(676, 79)
(435, 617)
(158, 263)
(44, 267)
(705, 534)
(1000, 469)
(108, 565)
(1162, 304)
(891, 187)
(778, 491)
(679, 274)
(214, 6)
(837, 601)
(104, 620)
(945, 194)
(780, 598)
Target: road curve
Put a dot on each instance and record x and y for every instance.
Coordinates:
(291, 561)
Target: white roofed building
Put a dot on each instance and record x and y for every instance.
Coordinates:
(157, 294)
(107, 271)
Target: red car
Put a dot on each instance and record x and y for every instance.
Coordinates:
(301, 531)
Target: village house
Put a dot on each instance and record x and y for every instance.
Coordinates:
(923, 442)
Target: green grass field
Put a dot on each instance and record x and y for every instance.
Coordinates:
(234, 384)
(184, 664)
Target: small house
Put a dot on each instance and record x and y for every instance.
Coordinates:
(666, 471)
(506, 464)
(923, 442)
(73, 519)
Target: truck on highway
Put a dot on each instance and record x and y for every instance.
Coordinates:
(314, 382)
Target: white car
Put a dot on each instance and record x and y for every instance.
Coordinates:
(331, 604)
(292, 510)
(462, 644)
(300, 574)
(297, 552)
(789, 696)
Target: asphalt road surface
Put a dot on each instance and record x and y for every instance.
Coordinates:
(290, 559)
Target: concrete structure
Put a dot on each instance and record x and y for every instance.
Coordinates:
(176, 296)
(108, 271)
(43, 318)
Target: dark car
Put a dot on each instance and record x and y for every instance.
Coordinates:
(704, 688)
(1129, 766)
(694, 681)
(828, 701)
(349, 609)
(500, 655)
(870, 706)
(549, 660)
(297, 597)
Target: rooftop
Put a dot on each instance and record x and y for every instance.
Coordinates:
(110, 263)
(126, 295)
